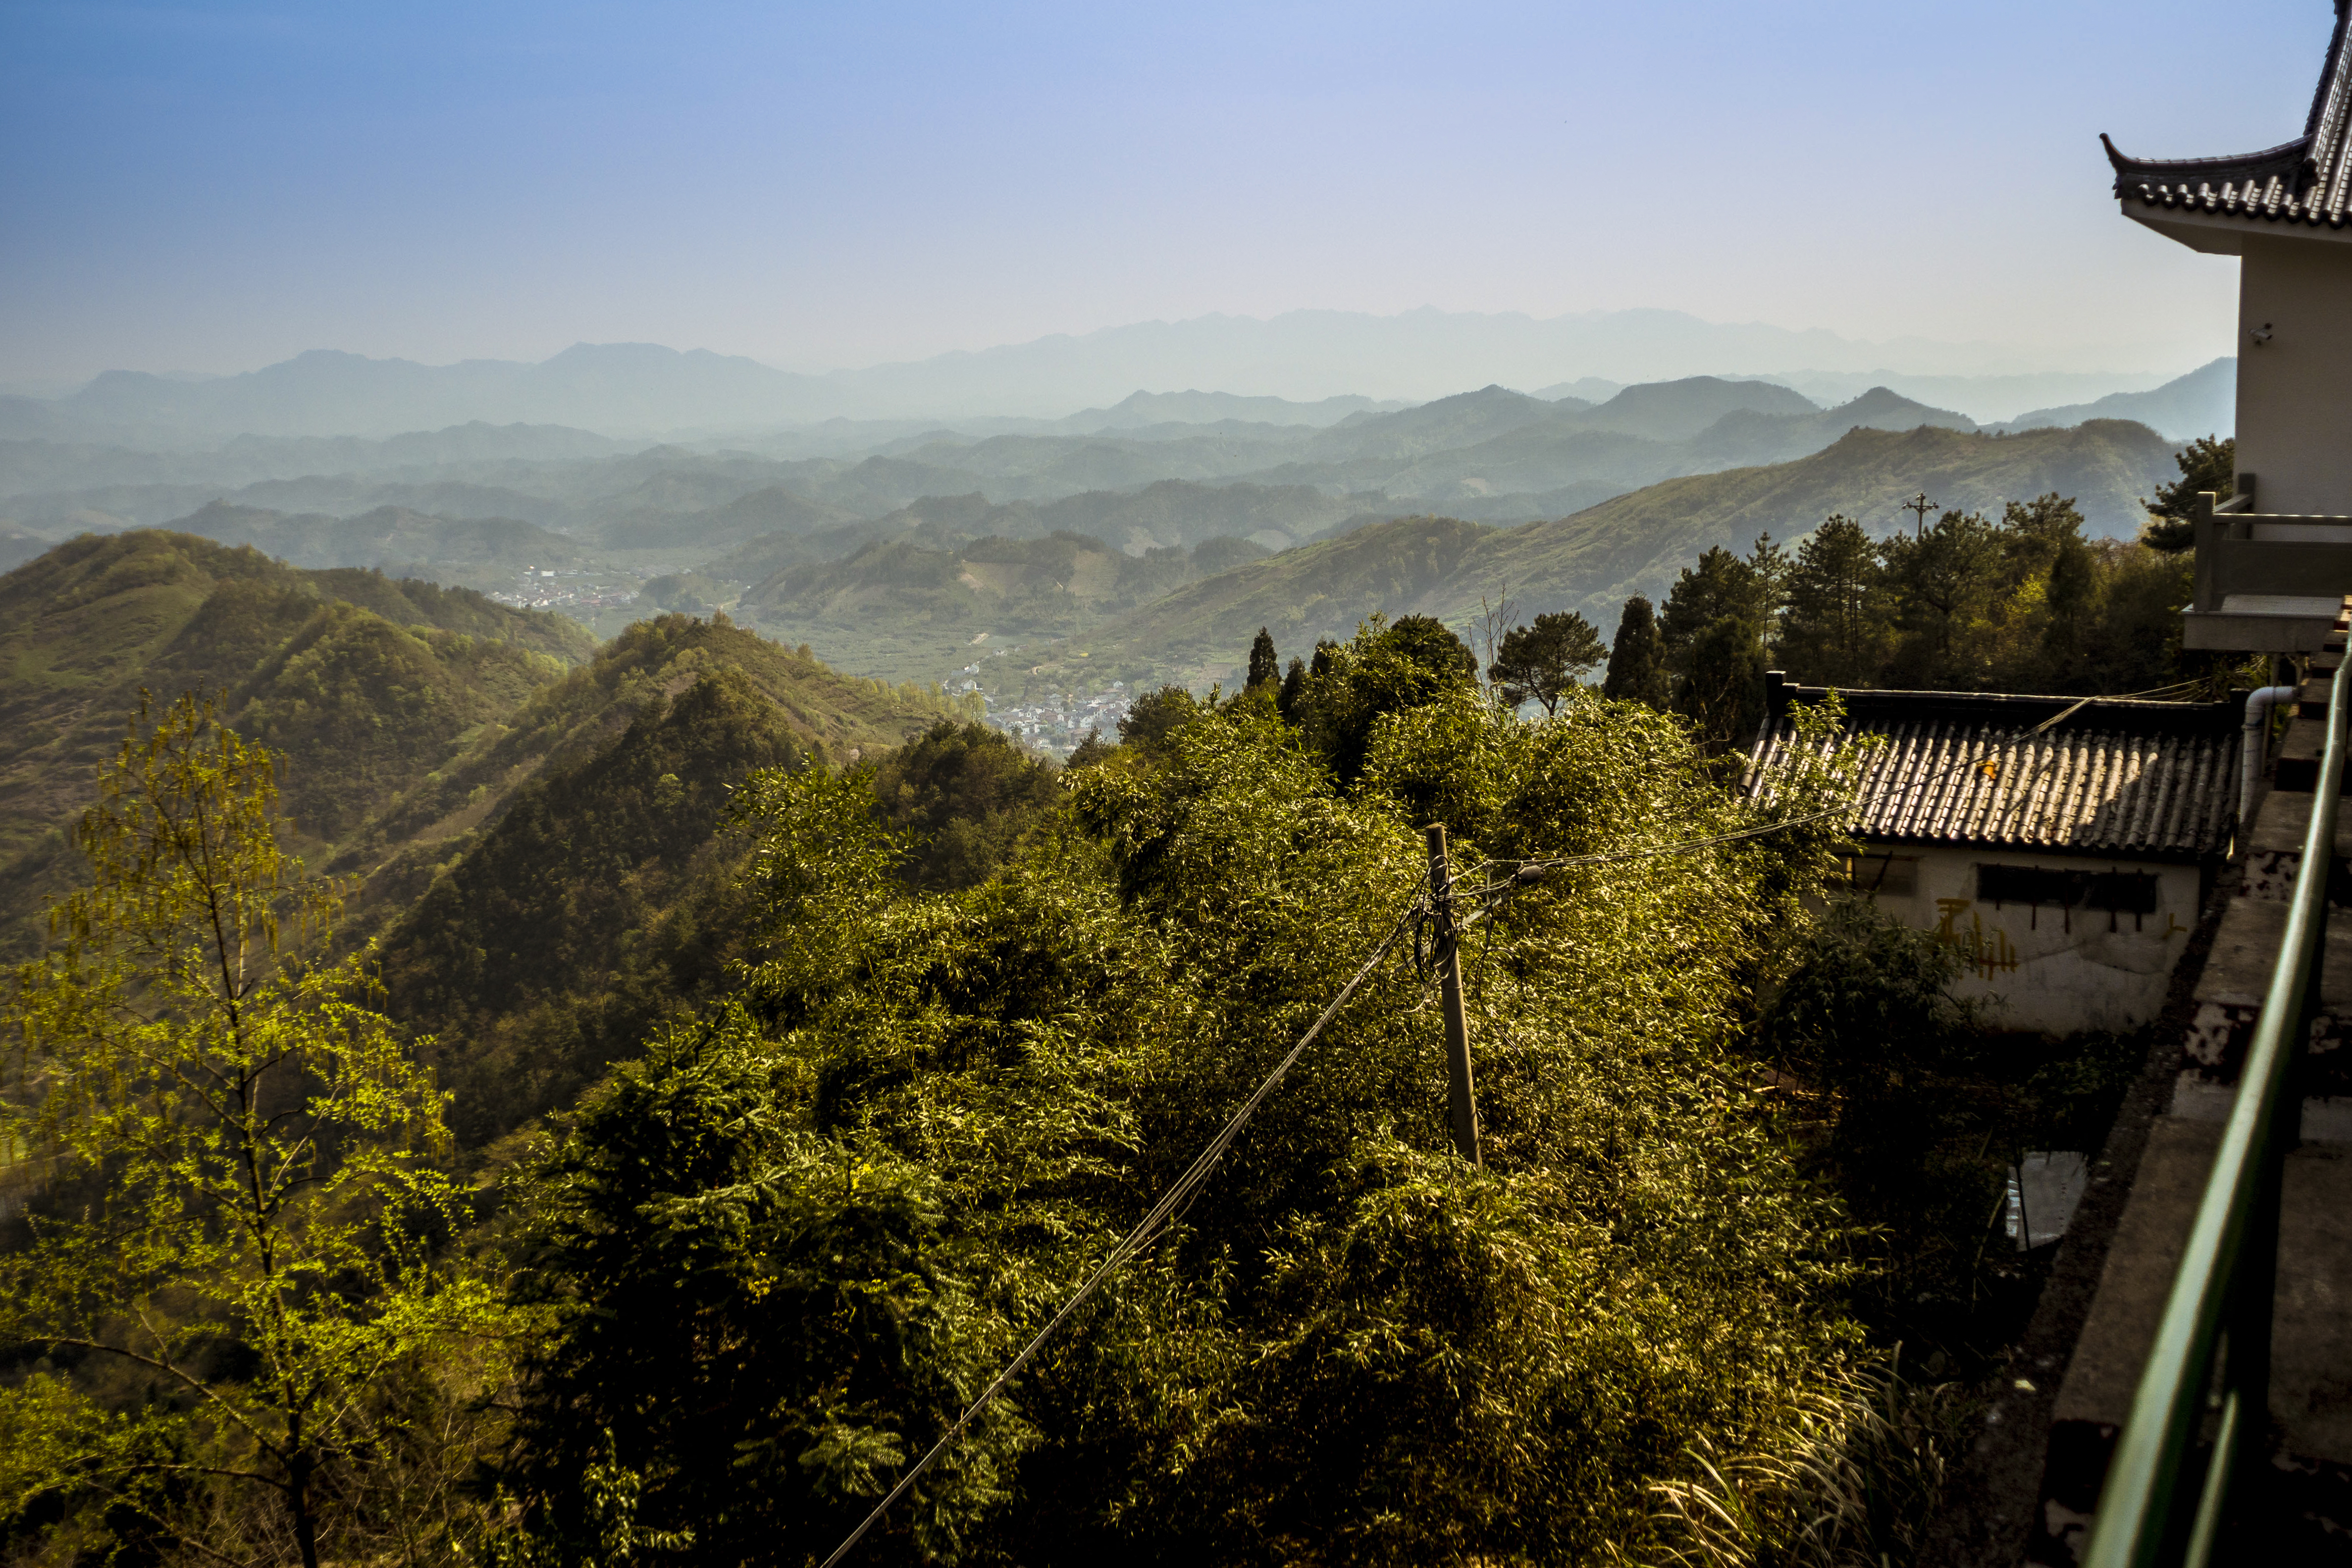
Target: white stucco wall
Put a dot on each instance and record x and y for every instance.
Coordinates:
(2049, 969)
(2294, 390)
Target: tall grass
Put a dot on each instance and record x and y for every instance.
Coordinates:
(1852, 1485)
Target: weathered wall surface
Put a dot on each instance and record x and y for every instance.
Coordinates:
(2039, 967)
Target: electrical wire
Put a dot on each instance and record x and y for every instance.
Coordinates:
(1185, 1187)
(1490, 896)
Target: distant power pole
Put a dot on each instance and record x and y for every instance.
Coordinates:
(1461, 1104)
(1923, 506)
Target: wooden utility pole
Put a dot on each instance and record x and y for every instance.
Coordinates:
(1461, 1103)
(1923, 506)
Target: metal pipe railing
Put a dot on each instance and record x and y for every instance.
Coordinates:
(2229, 1270)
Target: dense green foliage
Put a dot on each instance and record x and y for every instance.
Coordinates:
(2023, 604)
(1352, 686)
(240, 1188)
(965, 795)
(598, 900)
(783, 1248)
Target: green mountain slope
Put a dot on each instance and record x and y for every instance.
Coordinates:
(1635, 543)
(1168, 514)
(1301, 596)
(389, 536)
(568, 722)
(594, 903)
(547, 895)
(366, 682)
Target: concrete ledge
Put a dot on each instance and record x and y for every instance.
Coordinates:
(2227, 999)
(2242, 632)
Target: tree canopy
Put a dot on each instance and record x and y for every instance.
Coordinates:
(1543, 662)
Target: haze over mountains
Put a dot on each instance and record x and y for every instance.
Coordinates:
(641, 390)
(917, 522)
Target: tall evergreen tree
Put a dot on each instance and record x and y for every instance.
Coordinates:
(1294, 681)
(1946, 577)
(2042, 540)
(1264, 664)
(1712, 629)
(1637, 663)
(1835, 628)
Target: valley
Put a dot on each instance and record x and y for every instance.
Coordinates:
(1043, 565)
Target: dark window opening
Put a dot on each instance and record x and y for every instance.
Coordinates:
(1898, 875)
(2125, 892)
(2030, 885)
(2117, 892)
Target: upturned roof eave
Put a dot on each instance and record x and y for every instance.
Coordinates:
(2288, 158)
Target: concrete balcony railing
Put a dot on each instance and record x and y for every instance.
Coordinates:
(2266, 581)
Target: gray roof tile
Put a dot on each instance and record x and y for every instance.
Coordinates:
(2138, 780)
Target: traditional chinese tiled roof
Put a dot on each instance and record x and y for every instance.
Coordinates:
(2303, 182)
(2153, 781)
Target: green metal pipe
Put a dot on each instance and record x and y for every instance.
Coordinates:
(2139, 1505)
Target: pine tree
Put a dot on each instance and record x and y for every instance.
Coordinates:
(1637, 664)
(1834, 631)
(1713, 632)
(2205, 464)
(1293, 684)
(1264, 664)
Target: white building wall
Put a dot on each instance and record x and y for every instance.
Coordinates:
(2042, 968)
(2294, 385)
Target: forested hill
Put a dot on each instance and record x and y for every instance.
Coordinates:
(365, 681)
(1635, 543)
(382, 693)
(568, 722)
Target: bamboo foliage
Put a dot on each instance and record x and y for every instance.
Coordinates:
(244, 1149)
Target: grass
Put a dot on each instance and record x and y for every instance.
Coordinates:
(1853, 1486)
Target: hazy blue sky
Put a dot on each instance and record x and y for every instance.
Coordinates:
(218, 186)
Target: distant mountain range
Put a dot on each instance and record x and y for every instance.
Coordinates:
(1591, 561)
(1308, 362)
(1492, 455)
(2202, 402)
(474, 504)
